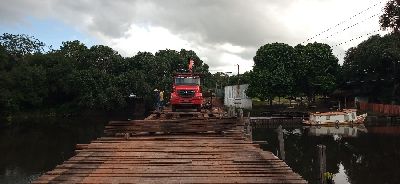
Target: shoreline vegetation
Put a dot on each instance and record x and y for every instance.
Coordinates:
(75, 78)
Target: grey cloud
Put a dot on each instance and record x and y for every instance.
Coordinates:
(110, 18)
(204, 23)
(249, 53)
(15, 11)
(244, 23)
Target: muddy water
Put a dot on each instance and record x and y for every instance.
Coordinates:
(354, 155)
(32, 147)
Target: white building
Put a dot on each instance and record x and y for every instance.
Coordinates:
(239, 100)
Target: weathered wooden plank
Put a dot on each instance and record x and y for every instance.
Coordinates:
(224, 157)
(239, 179)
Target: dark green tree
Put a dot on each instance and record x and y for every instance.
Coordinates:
(316, 70)
(105, 59)
(373, 68)
(141, 76)
(170, 61)
(22, 80)
(243, 78)
(390, 19)
(74, 51)
(21, 44)
(272, 73)
(27, 86)
(216, 82)
(5, 62)
(75, 77)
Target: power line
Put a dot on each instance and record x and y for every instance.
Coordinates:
(340, 23)
(350, 40)
(356, 24)
(356, 38)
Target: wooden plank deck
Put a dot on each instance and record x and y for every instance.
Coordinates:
(169, 125)
(275, 122)
(209, 157)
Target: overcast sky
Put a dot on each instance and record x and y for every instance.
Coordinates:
(223, 33)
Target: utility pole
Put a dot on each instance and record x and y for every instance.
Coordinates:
(238, 100)
(238, 82)
(238, 74)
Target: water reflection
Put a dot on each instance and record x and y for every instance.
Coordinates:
(354, 154)
(343, 131)
(341, 176)
(385, 130)
(32, 147)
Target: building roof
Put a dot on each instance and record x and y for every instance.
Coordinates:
(343, 112)
(349, 110)
(328, 113)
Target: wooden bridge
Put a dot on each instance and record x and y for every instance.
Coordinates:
(275, 122)
(173, 148)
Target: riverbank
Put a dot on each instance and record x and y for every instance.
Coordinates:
(7, 120)
(284, 108)
(35, 145)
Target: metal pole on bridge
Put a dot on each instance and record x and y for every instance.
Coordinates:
(322, 163)
(250, 126)
(281, 143)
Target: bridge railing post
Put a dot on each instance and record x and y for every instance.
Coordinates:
(250, 126)
(231, 111)
(281, 143)
(321, 163)
(240, 112)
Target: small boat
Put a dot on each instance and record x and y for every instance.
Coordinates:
(344, 117)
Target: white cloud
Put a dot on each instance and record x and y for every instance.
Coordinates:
(231, 48)
(223, 32)
(221, 57)
(312, 17)
(146, 38)
(230, 62)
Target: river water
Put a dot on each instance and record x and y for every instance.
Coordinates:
(355, 155)
(32, 147)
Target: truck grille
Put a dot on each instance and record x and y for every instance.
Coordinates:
(186, 93)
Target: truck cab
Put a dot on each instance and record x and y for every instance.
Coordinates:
(186, 92)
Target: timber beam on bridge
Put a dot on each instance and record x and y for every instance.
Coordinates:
(188, 150)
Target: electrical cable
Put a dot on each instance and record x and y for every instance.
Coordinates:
(340, 23)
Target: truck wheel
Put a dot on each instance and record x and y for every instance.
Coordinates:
(173, 108)
(199, 108)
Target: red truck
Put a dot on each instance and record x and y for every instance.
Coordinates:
(186, 92)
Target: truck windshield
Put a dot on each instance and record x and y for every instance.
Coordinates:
(187, 81)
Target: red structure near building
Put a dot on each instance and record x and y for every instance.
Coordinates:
(385, 109)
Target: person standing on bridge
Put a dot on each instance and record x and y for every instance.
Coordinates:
(161, 100)
(157, 99)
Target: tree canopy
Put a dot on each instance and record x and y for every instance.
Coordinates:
(281, 70)
(390, 19)
(317, 69)
(272, 73)
(77, 77)
(373, 67)
(19, 45)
